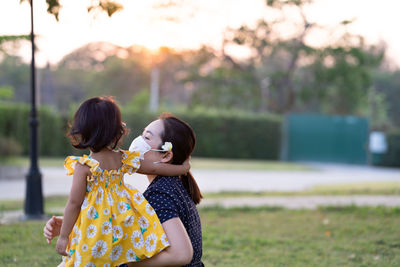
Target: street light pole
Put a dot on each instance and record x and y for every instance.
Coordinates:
(33, 196)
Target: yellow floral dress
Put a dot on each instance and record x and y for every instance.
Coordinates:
(116, 224)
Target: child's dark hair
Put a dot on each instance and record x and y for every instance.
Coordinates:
(183, 140)
(97, 124)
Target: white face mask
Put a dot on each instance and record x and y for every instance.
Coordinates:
(140, 145)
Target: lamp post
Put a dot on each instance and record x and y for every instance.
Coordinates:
(33, 193)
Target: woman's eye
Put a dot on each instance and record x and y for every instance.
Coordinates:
(146, 137)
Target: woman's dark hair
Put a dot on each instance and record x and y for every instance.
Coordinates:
(183, 140)
(97, 124)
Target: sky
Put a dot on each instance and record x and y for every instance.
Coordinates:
(198, 22)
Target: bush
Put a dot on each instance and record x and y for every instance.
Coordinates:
(219, 134)
(14, 122)
(9, 147)
(222, 134)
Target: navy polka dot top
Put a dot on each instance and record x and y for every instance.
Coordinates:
(169, 198)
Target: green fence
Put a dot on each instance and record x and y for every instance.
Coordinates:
(309, 137)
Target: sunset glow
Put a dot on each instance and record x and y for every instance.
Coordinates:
(189, 25)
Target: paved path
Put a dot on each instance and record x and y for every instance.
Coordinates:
(55, 182)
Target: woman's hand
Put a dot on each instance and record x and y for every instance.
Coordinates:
(52, 228)
(61, 246)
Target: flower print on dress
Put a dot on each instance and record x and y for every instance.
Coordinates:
(106, 265)
(85, 247)
(91, 231)
(117, 232)
(149, 209)
(77, 237)
(106, 211)
(116, 253)
(85, 203)
(130, 255)
(99, 249)
(107, 181)
(143, 222)
(138, 197)
(92, 213)
(130, 187)
(99, 196)
(90, 264)
(151, 242)
(127, 195)
(164, 240)
(106, 228)
(114, 216)
(129, 221)
(110, 199)
(118, 191)
(137, 239)
(122, 207)
(89, 187)
(77, 260)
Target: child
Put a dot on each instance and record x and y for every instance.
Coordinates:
(106, 222)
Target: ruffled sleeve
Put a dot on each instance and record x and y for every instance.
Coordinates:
(130, 161)
(71, 161)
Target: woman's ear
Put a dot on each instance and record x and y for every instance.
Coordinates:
(167, 157)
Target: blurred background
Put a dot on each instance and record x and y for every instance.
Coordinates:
(295, 104)
(289, 80)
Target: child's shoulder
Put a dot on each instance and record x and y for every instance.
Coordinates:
(84, 163)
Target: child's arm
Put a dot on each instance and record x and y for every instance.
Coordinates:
(73, 207)
(166, 169)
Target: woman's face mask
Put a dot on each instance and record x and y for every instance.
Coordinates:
(140, 145)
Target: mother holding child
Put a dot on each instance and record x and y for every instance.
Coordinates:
(108, 223)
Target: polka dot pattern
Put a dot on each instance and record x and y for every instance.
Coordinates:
(169, 199)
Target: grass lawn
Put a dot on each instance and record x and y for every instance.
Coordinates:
(197, 163)
(366, 188)
(257, 237)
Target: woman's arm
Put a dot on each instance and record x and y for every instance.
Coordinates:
(180, 251)
(165, 169)
(73, 207)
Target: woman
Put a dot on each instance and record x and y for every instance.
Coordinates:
(174, 199)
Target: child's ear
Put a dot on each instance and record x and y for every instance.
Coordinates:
(167, 157)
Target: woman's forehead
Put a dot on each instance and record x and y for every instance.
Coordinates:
(155, 128)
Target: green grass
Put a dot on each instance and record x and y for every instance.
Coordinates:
(255, 237)
(326, 237)
(50, 204)
(197, 163)
(372, 188)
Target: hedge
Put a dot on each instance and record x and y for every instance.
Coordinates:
(14, 120)
(219, 134)
(222, 134)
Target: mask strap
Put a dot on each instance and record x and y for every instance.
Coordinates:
(160, 150)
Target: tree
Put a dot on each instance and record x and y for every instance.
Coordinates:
(289, 72)
(108, 6)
